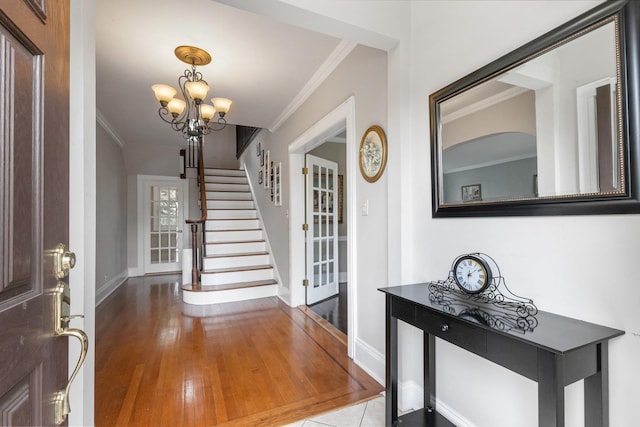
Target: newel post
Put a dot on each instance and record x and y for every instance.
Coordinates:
(195, 276)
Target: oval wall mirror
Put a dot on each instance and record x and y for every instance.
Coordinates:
(549, 129)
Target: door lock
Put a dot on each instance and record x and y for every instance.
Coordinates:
(64, 260)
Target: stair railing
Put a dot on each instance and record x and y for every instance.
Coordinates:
(195, 270)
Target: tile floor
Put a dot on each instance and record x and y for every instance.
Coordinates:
(365, 414)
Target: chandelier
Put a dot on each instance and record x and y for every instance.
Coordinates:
(191, 115)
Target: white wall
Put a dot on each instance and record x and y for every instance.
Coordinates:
(220, 149)
(568, 265)
(111, 209)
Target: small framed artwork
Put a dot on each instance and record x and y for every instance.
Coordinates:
(277, 184)
(261, 157)
(373, 153)
(340, 197)
(266, 169)
(260, 177)
(471, 193)
(271, 179)
(258, 149)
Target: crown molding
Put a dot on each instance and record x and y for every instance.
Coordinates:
(334, 59)
(482, 104)
(102, 121)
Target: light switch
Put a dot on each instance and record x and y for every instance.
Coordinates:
(365, 207)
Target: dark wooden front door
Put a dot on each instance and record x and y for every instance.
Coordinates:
(34, 200)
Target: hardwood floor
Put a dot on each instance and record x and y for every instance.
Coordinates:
(160, 362)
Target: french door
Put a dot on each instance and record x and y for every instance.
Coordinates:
(322, 233)
(163, 215)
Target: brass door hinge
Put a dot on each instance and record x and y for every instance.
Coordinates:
(305, 283)
(305, 171)
(305, 227)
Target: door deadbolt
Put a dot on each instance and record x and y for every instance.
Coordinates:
(64, 260)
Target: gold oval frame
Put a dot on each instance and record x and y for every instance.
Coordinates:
(383, 142)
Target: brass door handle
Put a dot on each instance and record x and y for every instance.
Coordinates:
(61, 319)
(62, 399)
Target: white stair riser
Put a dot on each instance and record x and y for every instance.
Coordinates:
(225, 179)
(225, 187)
(234, 248)
(232, 224)
(236, 277)
(229, 204)
(226, 172)
(230, 295)
(233, 236)
(236, 261)
(231, 213)
(228, 195)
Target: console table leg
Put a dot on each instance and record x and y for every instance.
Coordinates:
(550, 389)
(596, 391)
(391, 374)
(429, 371)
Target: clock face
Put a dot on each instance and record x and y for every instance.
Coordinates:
(471, 274)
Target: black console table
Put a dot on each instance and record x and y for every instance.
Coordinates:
(556, 353)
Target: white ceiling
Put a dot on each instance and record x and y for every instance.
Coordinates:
(261, 64)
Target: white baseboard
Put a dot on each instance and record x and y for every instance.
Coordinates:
(447, 412)
(370, 359)
(133, 272)
(343, 277)
(411, 397)
(109, 287)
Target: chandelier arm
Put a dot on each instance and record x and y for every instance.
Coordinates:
(182, 81)
(222, 122)
(164, 114)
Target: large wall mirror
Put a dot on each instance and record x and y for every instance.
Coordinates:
(549, 129)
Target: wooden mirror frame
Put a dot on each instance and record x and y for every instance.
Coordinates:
(629, 44)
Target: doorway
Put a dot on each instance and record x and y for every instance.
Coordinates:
(340, 121)
(161, 215)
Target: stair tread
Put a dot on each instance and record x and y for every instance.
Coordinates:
(227, 191)
(233, 229)
(231, 209)
(237, 241)
(229, 200)
(238, 254)
(229, 219)
(213, 288)
(236, 269)
(225, 183)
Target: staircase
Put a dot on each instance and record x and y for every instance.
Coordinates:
(236, 264)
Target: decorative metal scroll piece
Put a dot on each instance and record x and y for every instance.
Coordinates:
(504, 311)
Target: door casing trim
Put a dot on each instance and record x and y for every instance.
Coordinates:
(342, 117)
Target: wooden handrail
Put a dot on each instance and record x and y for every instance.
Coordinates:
(195, 271)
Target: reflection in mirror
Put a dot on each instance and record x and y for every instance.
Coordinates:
(546, 127)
